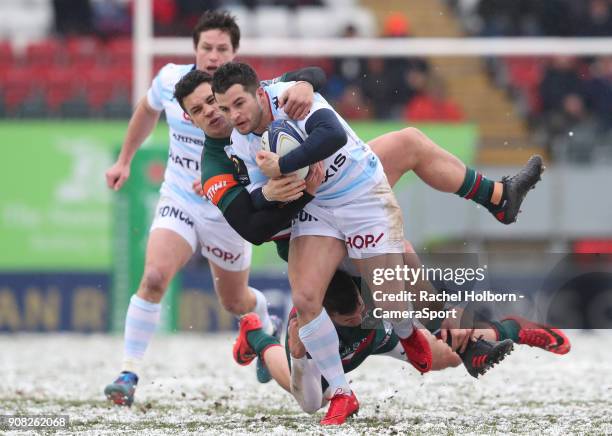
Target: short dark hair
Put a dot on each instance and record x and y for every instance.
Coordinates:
(235, 73)
(217, 20)
(188, 83)
(341, 294)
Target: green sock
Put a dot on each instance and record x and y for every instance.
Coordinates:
(477, 187)
(507, 329)
(259, 341)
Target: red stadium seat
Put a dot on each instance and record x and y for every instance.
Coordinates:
(19, 84)
(62, 86)
(43, 54)
(83, 50)
(119, 52)
(99, 89)
(6, 54)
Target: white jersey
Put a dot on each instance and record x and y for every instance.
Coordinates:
(186, 142)
(350, 172)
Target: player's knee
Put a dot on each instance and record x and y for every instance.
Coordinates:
(450, 360)
(310, 407)
(411, 135)
(306, 302)
(154, 283)
(232, 305)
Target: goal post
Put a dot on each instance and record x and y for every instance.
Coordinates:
(147, 46)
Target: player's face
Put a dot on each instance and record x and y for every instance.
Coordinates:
(352, 319)
(213, 50)
(240, 108)
(203, 111)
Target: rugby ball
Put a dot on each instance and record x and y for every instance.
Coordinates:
(282, 137)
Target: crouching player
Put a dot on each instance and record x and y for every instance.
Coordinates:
(296, 372)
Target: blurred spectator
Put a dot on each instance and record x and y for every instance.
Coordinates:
(376, 88)
(352, 104)
(433, 104)
(572, 130)
(72, 17)
(164, 17)
(189, 12)
(556, 17)
(111, 18)
(598, 90)
(598, 21)
(560, 79)
(396, 25)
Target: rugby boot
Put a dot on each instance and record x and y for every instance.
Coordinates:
(121, 391)
(263, 375)
(341, 407)
(541, 336)
(242, 351)
(515, 190)
(418, 351)
(481, 355)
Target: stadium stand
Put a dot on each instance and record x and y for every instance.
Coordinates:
(524, 101)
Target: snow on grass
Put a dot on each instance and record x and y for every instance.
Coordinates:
(190, 385)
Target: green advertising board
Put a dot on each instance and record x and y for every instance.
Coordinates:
(55, 208)
(133, 211)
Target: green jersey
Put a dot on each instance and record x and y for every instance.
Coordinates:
(223, 175)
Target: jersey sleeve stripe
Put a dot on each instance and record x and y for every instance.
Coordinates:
(217, 186)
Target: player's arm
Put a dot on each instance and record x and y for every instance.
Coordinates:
(259, 226)
(313, 75)
(325, 137)
(297, 100)
(141, 125)
(256, 226)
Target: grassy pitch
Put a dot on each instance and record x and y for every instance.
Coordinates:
(190, 385)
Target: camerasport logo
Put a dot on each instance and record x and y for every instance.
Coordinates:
(363, 241)
(226, 256)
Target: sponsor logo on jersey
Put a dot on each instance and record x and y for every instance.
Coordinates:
(185, 162)
(174, 212)
(216, 187)
(363, 241)
(226, 256)
(304, 217)
(333, 169)
(188, 139)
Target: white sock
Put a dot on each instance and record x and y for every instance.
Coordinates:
(261, 309)
(140, 324)
(403, 328)
(321, 341)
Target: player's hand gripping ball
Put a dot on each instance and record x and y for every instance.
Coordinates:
(281, 137)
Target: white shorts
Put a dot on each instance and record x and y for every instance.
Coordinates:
(369, 224)
(219, 242)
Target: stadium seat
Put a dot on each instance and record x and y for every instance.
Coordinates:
(244, 20)
(119, 51)
(317, 22)
(272, 22)
(60, 88)
(83, 50)
(362, 19)
(19, 85)
(44, 53)
(99, 89)
(6, 54)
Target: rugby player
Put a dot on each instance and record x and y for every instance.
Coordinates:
(222, 172)
(183, 220)
(297, 374)
(355, 198)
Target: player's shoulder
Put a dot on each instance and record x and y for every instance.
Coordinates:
(171, 73)
(275, 89)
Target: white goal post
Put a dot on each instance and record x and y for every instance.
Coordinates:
(146, 47)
